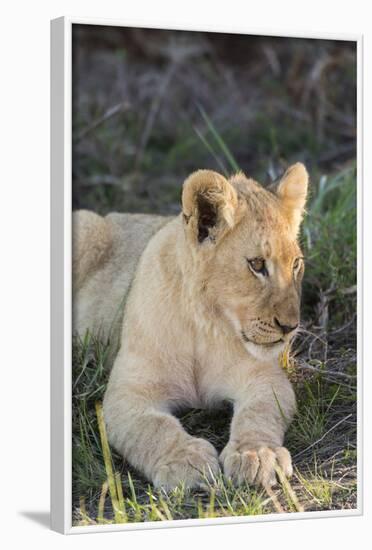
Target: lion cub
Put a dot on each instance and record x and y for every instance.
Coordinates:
(212, 297)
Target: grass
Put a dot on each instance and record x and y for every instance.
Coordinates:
(324, 459)
(259, 116)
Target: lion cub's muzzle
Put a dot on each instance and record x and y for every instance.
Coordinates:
(285, 329)
(267, 334)
(252, 340)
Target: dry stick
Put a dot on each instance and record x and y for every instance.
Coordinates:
(315, 336)
(323, 436)
(288, 488)
(345, 326)
(154, 110)
(278, 507)
(331, 376)
(330, 372)
(85, 519)
(108, 463)
(350, 290)
(82, 510)
(101, 503)
(112, 111)
(119, 490)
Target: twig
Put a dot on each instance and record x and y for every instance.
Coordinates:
(99, 179)
(350, 290)
(288, 488)
(323, 436)
(340, 329)
(119, 490)
(101, 502)
(112, 111)
(154, 109)
(85, 519)
(327, 372)
(278, 507)
(273, 60)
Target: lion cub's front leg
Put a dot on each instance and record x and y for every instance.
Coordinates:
(262, 413)
(140, 427)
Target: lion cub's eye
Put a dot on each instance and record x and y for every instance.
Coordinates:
(297, 264)
(258, 265)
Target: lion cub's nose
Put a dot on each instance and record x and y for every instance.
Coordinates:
(286, 329)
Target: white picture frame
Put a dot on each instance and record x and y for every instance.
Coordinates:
(61, 288)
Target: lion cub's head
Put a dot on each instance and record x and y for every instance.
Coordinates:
(246, 260)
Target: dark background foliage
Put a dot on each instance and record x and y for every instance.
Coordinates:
(142, 100)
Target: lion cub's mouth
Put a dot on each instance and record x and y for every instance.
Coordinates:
(266, 344)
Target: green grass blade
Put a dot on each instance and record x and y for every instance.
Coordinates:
(211, 150)
(108, 463)
(119, 490)
(220, 142)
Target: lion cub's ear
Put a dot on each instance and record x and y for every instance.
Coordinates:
(292, 190)
(209, 204)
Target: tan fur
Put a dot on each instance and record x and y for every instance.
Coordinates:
(199, 325)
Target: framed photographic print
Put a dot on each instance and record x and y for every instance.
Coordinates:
(206, 317)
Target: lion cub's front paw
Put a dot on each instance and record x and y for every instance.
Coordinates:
(255, 465)
(194, 463)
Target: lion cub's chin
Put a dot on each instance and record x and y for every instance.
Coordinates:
(265, 353)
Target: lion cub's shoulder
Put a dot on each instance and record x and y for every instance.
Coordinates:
(91, 243)
(96, 239)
